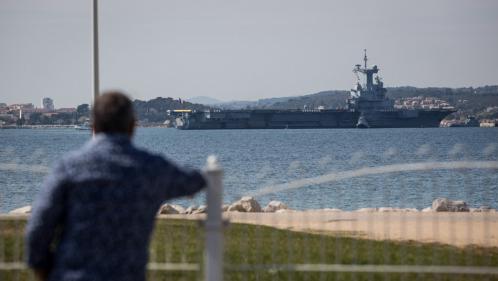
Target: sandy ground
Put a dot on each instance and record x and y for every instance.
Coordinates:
(459, 229)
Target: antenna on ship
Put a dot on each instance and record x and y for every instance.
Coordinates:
(365, 57)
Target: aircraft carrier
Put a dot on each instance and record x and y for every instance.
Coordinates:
(367, 107)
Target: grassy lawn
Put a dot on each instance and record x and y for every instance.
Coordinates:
(256, 247)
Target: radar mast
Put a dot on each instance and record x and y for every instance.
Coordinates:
(371, 95)
(365, 59)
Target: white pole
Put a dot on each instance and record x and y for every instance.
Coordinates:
(95, 15)
(214, 225)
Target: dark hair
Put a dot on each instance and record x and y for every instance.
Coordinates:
(113, 113)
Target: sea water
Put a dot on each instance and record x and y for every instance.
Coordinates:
(255, 160)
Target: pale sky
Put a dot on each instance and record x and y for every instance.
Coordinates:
(241, 50)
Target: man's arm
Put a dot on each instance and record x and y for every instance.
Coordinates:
(183, 182)
(47, 214)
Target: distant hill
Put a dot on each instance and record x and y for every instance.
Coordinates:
(156, 110)
(261, 103)
(204, 100)
(481, 102)
(468, 101)
(328, 99)
(235, 104)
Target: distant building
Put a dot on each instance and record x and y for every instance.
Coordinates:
(489, 123)
(48, 104)
(23, 106)
(66, 110)
(422, 103)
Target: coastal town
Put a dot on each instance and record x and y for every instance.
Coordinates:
(27, 114)
(154, 113)
(430, 103)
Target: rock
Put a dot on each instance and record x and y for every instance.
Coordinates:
(482, 209)
(22, 210)
(180, 209)
(390, 209)
(485, 208)
(332, 210)
(201, 210)
(245, 204)
(274, 206)
(225, 207)
(235, 208)
(284, 211)
(324, 210)
(428, 209)
(190, 210)
(169, 209)
(446, 205)
(366, 210)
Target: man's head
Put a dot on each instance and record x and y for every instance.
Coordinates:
(113, 113)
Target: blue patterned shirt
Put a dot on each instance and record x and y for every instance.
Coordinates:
(95, 213)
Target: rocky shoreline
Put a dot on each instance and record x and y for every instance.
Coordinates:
(249, 204)
(445, 221)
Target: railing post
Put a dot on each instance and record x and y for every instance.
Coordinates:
(213, 261)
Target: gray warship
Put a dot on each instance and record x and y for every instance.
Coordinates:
(378, 111)
(265, 119)
(367, 107)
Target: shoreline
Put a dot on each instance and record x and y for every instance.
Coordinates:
(445, 221)
(47, 126)
(451, 228)
(459, 229)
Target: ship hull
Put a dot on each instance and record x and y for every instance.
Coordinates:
(313, 119)
(268, 119)
(405, 118)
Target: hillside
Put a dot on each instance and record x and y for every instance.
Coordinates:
(480, 101)
(156, 110)
(204, 100)
(328, 99)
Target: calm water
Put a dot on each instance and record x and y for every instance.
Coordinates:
(253, 159)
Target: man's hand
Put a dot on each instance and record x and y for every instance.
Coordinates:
(41, 274)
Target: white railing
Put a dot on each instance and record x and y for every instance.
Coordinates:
(214, 223)
(212, 266)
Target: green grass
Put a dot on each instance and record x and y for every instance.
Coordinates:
(181, 241)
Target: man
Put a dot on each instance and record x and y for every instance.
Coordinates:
(95, 212)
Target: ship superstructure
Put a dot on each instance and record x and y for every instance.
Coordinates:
(378, 111)
(371, 95)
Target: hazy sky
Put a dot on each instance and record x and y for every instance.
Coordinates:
(241, 50)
